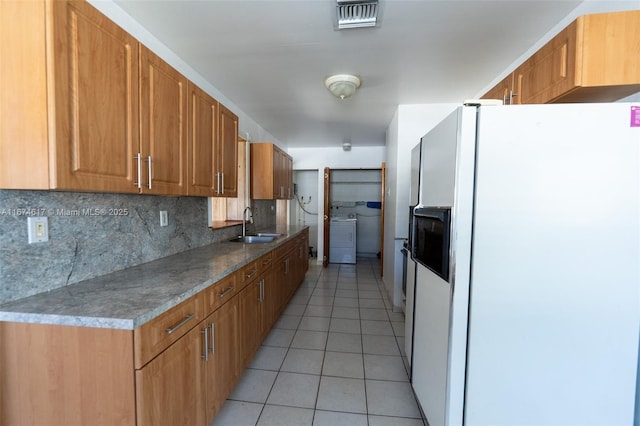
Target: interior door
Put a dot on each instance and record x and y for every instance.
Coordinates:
(327, 209)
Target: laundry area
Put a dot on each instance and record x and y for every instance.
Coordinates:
(355, 226)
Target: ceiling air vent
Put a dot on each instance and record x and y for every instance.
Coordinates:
(357, 13)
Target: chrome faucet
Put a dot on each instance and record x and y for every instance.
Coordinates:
(244, 220)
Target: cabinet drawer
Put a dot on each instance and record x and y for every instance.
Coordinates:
(248, 273)
(153, 337)
(219, 293)
(284, 249)
(264, 263)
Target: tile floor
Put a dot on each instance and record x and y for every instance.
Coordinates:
(335, 357)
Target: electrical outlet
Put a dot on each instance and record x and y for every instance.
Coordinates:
(37, 229)
(164, 218)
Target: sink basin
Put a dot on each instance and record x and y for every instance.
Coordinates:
(269, 234)
(253, 239)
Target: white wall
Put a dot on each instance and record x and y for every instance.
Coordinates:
(370, 157)
(307, 189)
(409, 124)
(247, 127)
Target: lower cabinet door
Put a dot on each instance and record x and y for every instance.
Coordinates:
(249, 326)
(169, 389)
(222, 358)
(271, 303)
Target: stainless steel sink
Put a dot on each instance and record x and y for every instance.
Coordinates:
(253, 239)
(269, 234)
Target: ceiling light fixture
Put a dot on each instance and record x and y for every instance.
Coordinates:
(346, 145)
(342, 85)
(356, 13)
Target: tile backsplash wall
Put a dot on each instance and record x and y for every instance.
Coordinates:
(94, 234)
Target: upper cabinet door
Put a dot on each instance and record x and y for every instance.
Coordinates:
(96, 101)
(203, 139)
(271, 172)
(550, 72)
(503, 91)
(163, 133)
(228, 153)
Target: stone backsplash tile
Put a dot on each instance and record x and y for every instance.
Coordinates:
(93, 234)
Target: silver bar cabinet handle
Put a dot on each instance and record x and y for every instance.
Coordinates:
(138, 159)
(260, 294)
(213, 337)
(227, 291)
(150, 172)
(252, 273)
(206, 344)
(217, 182)
(185, 320)
(222, 173)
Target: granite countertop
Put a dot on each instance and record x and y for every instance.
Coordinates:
(128, 298)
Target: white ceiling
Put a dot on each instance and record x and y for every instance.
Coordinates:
(271, 57)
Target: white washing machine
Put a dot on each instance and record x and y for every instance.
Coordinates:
(342, 240)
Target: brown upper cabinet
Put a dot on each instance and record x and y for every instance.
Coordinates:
(69, 105)
(227, 154)
(86, 107)
(109, 115)
(213, 147)
(163, 127)
(203, 138)
(594, 59)
(271, 173)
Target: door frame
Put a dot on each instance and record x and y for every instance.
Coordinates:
(327, 209)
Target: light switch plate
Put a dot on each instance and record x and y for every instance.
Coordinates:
(164, 218)
(37, 229)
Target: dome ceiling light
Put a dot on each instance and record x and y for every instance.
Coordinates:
(342, 85)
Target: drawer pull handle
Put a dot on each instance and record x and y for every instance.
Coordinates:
(185, 320)
(266, 262)
(252, 273)
(227, 291)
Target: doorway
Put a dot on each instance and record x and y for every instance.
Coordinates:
(355, 194)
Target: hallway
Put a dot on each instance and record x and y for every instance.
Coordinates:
(335, 357)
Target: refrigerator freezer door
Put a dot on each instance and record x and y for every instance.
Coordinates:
(431, 344)
(553, 320)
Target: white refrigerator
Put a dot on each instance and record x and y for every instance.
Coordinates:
(538, 320)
